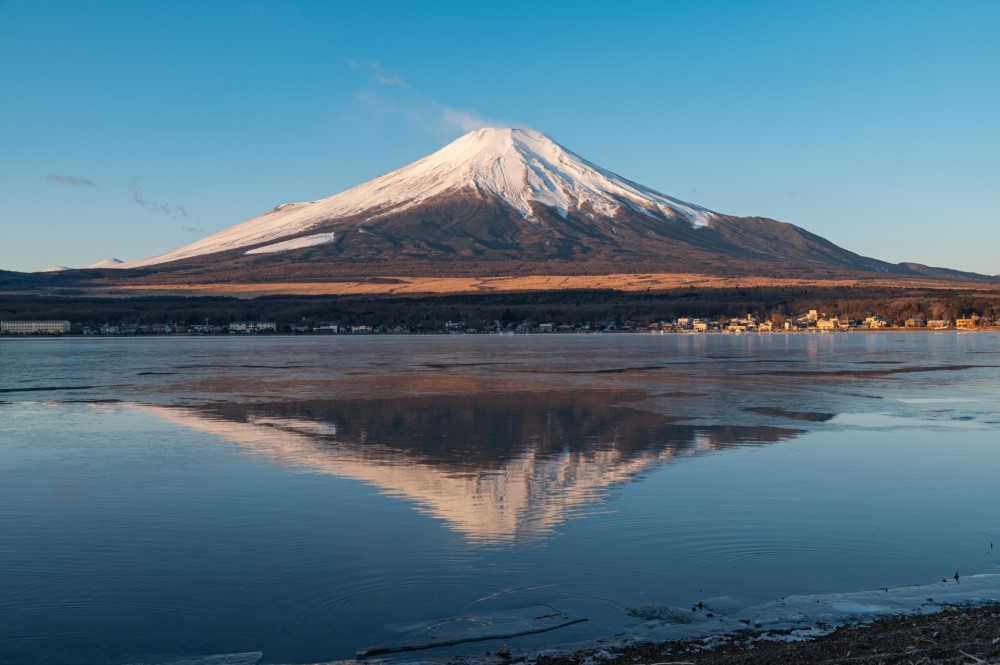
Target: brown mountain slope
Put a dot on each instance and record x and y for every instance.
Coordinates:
(476, 236)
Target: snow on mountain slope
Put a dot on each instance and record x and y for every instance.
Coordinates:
(519, 166)
(107, 263)
(294, 243)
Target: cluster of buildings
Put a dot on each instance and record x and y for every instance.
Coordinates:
(812, 321)
(816, 321)
(962, 323)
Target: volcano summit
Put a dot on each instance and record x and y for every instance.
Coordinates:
(502, 201)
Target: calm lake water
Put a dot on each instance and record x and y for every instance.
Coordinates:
(308, 497)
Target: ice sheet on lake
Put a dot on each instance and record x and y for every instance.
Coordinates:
(831, 609)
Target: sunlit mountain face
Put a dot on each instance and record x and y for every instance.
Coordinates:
(496, 467)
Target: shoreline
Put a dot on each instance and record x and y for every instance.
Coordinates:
(955, 634)
(657, 333)
(927, 623)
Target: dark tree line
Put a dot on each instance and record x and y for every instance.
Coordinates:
(570, 307)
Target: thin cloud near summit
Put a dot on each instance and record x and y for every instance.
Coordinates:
(390, 95)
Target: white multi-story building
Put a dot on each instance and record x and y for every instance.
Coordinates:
(252, 327)
(34, 327)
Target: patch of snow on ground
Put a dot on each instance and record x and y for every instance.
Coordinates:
(294, 243)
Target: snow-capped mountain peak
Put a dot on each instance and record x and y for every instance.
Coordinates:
(520, 167)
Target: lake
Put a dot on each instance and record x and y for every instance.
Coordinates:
(312, 496)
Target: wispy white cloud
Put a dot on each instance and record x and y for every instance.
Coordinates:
(69, 181)
(171, 209)
(463, 119)
(387, 79)
(390, 96)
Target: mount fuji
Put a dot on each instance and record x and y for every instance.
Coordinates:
(501, 201)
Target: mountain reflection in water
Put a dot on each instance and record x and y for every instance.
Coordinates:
(496, 467)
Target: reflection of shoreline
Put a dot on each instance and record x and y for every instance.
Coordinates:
(495, 468)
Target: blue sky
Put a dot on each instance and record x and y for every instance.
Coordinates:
(132, 128)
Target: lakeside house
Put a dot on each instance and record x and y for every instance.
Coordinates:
(252, 327)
